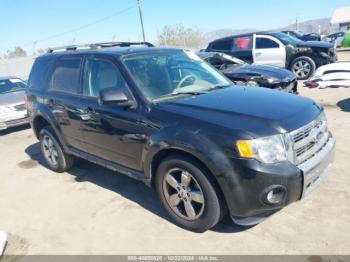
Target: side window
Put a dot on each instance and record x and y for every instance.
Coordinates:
(264, 43)
(242, 43)
(101, 74)
(39, 74)
(66, 75)
(224, 45)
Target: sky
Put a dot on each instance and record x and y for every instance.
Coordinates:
(34, 24)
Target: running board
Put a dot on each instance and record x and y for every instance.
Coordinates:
(110, 165)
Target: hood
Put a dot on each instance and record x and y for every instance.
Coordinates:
(319, 44)
(12, 98)
(260, 70)
(257, 111)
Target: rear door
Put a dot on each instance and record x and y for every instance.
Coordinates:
(240, 47)
(63, 99)
(268, 50)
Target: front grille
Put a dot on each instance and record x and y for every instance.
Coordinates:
(20, 107)
(309, 140)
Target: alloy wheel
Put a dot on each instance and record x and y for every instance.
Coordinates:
(183, 194)
(302, 68)
(50, 150)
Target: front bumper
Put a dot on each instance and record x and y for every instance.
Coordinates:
(251, 181)
(14, 119)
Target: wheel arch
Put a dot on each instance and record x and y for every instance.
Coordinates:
(39, 121)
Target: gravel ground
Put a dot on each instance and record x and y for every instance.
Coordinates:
(91, 210)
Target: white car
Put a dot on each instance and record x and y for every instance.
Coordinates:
(332, 75)
(13, 111)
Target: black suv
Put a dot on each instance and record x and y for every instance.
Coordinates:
(166, 117)
(277, 49)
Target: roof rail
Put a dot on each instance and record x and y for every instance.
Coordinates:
(98, 45)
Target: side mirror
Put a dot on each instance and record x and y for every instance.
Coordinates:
(113, 96)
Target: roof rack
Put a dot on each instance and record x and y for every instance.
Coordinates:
(98, 45)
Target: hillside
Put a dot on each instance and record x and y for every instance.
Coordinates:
(306, 27)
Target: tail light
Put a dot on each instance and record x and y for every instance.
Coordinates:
(26, 101)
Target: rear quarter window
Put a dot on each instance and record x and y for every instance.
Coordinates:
(39, 74)
(222, 45)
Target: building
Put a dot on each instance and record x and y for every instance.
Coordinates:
(341, 17)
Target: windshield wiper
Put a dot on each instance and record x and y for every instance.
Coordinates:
(194, 93)
(220, 86)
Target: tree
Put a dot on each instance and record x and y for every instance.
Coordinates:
(180, 36)
(17, 52)
(40, 51)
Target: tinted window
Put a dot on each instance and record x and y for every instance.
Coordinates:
(242, 43)
(224, 45)
(66, 76)
(11, 85)
(39, 74)
(102, 74)
(262, 43)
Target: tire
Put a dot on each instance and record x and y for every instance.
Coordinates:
(303, 67)
(208, 208)
(55, 156)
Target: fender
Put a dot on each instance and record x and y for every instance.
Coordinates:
(193, 142)
(40, 110)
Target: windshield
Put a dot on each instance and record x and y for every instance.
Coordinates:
(167, 74)
(11, 85)
(287, 39)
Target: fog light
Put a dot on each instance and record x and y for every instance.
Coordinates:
(275, 195)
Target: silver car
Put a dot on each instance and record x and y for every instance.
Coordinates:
(13, 110)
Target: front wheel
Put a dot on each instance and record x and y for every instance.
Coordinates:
(303, 67)
(187, 194)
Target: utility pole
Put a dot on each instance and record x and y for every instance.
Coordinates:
(296, 23)
(141, 20)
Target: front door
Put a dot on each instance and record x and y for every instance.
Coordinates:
(268, 50)
(110, 132)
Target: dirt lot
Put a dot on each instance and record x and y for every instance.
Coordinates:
(91, 210)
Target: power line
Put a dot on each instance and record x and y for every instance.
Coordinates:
(141, 20)
(78, 28)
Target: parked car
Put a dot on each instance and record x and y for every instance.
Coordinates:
(169, 119)
(242, 73)
(346, 40)
(13, 111)
(302, 36)
(277, 49)
(332, 75)
(336, 38)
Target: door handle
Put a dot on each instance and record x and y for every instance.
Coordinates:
(129, 138)
(258, 54)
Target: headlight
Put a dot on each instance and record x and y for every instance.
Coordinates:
(267, 149)
(325, 55)
(273, 80)
(5, 110)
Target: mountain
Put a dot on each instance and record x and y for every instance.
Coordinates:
(306, 27)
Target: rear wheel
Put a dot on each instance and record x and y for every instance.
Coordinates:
(303, 67)
(55, 156)
(187, 194)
